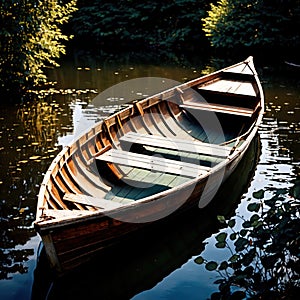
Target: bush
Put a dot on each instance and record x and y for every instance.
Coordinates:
(30, 40)
(248, 23)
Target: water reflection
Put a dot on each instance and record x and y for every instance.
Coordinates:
(29, 134)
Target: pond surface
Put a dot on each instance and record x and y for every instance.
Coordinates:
(160, 264)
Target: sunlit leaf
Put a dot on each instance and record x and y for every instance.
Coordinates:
(23, 161)
(34, 157)
(221, 219)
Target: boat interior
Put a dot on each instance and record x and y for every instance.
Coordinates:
(154, 145)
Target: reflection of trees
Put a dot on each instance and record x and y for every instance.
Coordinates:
(29, 134)
(14, 231)
(43, 121)
(12, 262)
(28, 137)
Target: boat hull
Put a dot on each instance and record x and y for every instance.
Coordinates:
(68, 245)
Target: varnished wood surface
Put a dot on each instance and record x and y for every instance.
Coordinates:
(197, 147)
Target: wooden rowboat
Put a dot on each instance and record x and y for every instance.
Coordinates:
(148, 162)
(168, 246)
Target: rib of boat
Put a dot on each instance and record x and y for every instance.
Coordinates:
(148, 162)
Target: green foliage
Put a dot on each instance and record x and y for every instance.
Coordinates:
(264, 252)
(31, 39)
(140, 24)
(253, 23)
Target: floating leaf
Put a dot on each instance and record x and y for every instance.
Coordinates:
(253, 207)
(221, 237)
(221, 219)
(271, 202)
(233, 236)
(248, 258)
(259, 194)
(234, 258)
(199, 260)
(221, 245)
(211, 266)
(231, 223)
(223, 265)
(243, 232)
(241, 243)
(281, 191)
(254, 220)
(247, 224)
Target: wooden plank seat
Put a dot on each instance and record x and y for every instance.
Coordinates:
(195, 147)
(233, 110)
(230, 87)
(92, 201)
(152, 163)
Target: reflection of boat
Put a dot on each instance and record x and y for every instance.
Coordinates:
(160, 156)
(139, 263)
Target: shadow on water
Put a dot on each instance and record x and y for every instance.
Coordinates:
(144, 259)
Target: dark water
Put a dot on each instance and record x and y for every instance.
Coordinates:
(160, 264)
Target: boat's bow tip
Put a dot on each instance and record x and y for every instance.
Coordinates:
(249, 59)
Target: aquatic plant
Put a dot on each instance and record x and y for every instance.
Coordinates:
(264, 252)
